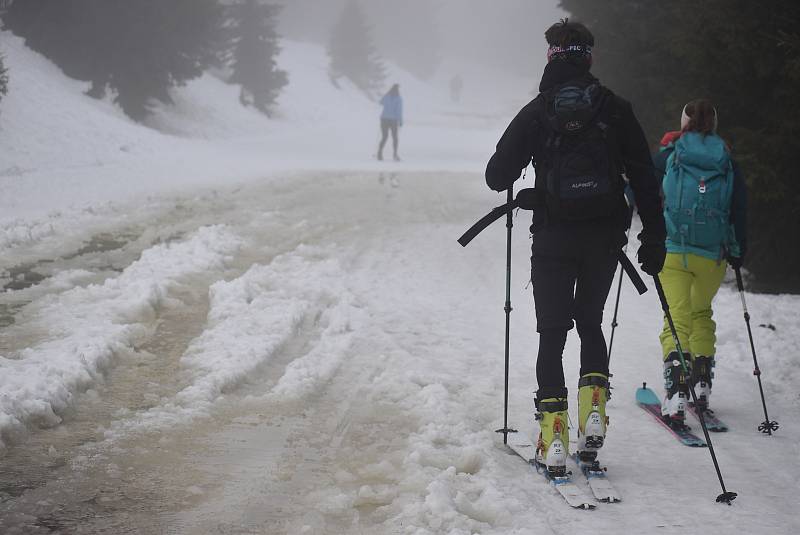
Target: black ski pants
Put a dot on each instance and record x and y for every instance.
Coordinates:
(572, 272)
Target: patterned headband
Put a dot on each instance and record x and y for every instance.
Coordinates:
(556, 51)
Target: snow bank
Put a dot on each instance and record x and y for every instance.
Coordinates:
(87, 329)
(250, 322)
(776, 335)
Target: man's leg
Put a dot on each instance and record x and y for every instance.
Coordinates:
(599, 263)
(553, 274)
(594, 283)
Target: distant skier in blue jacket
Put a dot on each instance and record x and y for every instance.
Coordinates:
(391, 119)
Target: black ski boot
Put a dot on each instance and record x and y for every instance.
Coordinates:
(702, 374)
(676, 383)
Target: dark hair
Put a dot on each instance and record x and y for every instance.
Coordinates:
(566, 33)
(702, 117)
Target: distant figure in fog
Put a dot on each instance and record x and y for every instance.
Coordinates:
(391, 119)
(456, 86)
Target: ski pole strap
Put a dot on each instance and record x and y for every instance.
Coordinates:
(484, 222)
(627, 266)
(527, 199)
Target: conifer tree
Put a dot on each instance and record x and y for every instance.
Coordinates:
(3, 79)
(254, 43)
(138, 49)
(746, 59)
(353, 53)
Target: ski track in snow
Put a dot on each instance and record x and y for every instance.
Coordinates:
(341, 372)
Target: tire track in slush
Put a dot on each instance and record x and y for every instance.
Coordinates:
(143, 483)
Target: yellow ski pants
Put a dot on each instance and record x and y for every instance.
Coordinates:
(690, 286)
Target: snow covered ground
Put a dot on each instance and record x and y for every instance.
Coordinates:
(250, 326)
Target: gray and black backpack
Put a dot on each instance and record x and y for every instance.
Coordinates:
(580, 169)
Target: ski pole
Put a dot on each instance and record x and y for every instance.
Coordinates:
(614, 323)
(509, 225)
(726, 496)
(767, 426)
(613, 328)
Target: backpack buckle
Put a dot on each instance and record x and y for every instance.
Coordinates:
(702, 187)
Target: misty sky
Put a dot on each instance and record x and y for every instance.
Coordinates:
(507, 34)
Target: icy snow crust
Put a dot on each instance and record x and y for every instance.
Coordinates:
(335, 358)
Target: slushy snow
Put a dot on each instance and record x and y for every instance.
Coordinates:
(342, 369)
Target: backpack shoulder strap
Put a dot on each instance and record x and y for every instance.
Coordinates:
(611, 110)
(609, 119)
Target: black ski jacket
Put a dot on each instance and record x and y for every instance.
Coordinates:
(522, 141)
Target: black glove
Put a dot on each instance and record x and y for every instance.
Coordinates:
(651, 255)
(735, 261)
(528, 199)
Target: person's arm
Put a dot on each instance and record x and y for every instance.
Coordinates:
(660, 162)
(514, 150)
(642, 176)
(739, 208)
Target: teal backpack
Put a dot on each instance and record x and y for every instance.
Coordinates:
(698, 189)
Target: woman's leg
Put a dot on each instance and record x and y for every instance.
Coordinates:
(395, 139)
(708, 275)
(384, 137)
(677, 281)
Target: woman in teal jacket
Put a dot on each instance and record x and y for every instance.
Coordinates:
(705, 204)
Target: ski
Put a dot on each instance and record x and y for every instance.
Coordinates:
(598, 481)
(648, 400)
(712, 422)
(565, 486)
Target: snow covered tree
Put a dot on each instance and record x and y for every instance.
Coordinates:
(162, 45)
(254, 46)
(353, 53)
(139, 49)
(3, 79)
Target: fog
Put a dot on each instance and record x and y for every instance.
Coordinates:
(441, 37)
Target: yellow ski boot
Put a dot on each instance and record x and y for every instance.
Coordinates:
(552, 447)
(592, 419)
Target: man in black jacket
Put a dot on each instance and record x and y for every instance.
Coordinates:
(581, 139)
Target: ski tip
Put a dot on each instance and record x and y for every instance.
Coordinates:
(646, 396)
